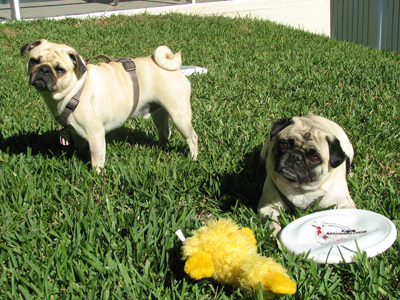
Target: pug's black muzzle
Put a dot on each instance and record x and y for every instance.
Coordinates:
(293, 165)
(43, 78)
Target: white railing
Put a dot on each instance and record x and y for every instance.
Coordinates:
(16, 12)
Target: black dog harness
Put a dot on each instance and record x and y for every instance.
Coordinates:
(129, 67)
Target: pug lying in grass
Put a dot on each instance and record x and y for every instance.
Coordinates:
(306, 159)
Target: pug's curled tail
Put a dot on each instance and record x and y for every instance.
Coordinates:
(164, 57)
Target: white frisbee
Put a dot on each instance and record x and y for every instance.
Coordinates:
(189, 70)
(329, 235)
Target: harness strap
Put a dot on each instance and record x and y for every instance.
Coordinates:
(97, 56)
(129, 67)
(69, 108)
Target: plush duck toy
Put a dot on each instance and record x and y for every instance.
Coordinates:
(228, 253)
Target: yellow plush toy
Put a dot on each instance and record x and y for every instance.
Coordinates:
(228, 253)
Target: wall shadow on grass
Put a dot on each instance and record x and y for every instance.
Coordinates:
(139, 137)
(47, 143)
(246, 186)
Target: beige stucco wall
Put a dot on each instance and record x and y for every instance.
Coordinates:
(310, 15)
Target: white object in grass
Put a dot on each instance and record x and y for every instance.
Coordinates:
(189, 70)
(180, 235)
(332, 236)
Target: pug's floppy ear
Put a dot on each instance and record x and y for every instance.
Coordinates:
(279, 125)
(78, 62)
(336, 153)
(29, 47)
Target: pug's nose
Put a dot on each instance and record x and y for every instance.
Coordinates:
(295, 158)
(44, 70)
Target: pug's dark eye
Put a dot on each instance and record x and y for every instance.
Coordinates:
(34, 61)
(283, 145)
(315, 159)
(59, 70)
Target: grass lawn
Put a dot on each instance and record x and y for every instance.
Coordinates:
(68, 233)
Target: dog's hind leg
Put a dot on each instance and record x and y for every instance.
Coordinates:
(160, 119)
(183, 123)
(192, 141)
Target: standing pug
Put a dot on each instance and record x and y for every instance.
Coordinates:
(103, 95)
(307, 159)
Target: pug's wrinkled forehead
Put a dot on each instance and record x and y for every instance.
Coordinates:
(305, 134)
(50, 51)
(43, 51)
